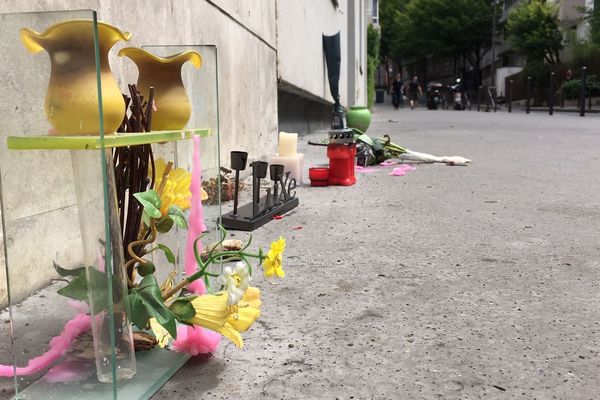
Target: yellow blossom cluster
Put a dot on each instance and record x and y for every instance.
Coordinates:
(176, 190)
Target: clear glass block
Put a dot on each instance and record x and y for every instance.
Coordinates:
(59, 209)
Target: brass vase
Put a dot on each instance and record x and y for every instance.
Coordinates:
(173, 107)
(72, 99)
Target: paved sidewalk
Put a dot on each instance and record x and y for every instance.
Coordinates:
(450, 282)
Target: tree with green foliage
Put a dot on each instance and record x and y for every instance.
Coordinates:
(373, 43)
(454, 28)
(389, 11)
(533, 30)
(592, 16)
(587, 52)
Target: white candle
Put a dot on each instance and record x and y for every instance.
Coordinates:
(288, 144)
(294, 164)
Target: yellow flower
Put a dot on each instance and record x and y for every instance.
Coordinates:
(242, 316)
(252, 297)
(176, 190)
(213, 313)
(272, 265)
(162, 336)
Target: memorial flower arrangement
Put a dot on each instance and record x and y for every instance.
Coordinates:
(190, 315)
(226, 303)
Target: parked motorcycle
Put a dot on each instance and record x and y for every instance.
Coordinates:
(434, 95)
(457, 95)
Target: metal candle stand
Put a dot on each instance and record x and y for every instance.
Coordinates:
(278, 201)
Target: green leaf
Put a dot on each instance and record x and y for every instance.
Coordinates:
(183, 310)
(375, 144)
(91, 280)
(177, 216)
(168, 253)
(151, 202)
(146, 302)
(165, 224)
(77, 288)
(68, 272)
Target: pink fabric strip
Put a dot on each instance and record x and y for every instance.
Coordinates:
(196, 224)
(58, 347)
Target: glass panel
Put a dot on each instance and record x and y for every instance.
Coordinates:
(55, 211)
(201, 87)
(64, 203)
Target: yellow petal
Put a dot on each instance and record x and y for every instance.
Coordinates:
(279, 272)
(268, 268)
(161, 334)
(245, 318)
(252, 297)
(230, 333)
(211, 311)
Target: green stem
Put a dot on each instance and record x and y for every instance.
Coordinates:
(212, 257)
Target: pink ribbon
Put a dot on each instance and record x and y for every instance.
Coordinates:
(58, 347)
(196, 223)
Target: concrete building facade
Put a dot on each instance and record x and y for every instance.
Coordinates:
(303, 88)
(272, 77)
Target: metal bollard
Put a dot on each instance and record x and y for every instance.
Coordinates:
(510, 89)
(479, 99)
(582, 92)
(495, 99)
(528, 100)
(551, 95)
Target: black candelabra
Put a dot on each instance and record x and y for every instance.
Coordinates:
(280, 197)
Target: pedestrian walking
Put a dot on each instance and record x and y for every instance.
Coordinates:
(414, 90)
(397, 92)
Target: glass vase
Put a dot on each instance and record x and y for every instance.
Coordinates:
(103, 258)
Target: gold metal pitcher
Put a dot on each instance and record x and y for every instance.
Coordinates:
(173, 109)
(72, 99)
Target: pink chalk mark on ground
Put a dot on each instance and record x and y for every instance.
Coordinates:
(402, 170)
(365, 170)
